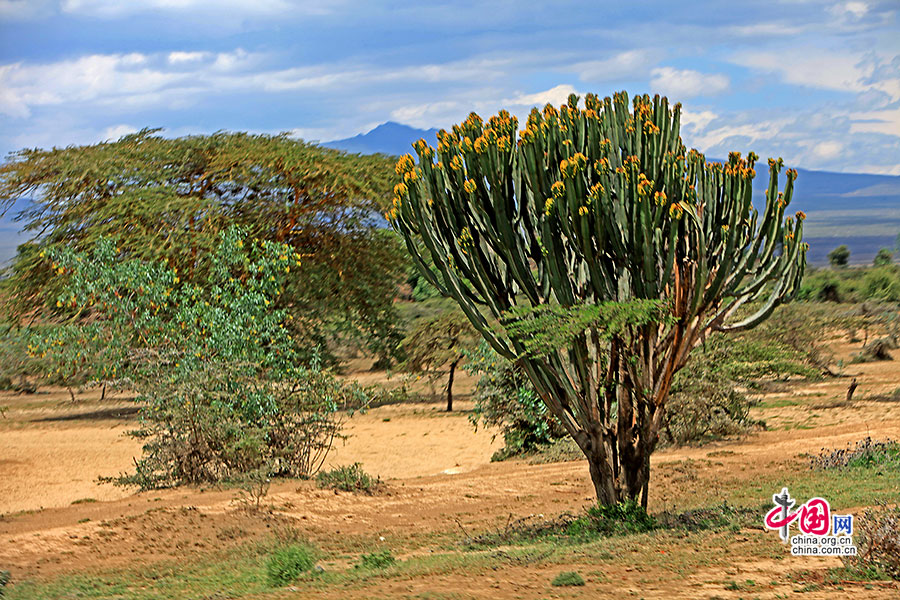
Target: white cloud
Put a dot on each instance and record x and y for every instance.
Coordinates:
(826, 69)
(114, 132)
(768, 29)
(856, 10)
(828, 150)
(886, 122)
(176, 79)
(697, 120)
(556, 95)
(734, 134)
(685, 83)
(186, 57)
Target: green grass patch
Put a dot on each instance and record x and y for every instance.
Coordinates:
(567, 578)
(376, 560)
(288, 563)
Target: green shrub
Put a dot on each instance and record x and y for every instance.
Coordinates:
(287, 563)
(504, 398)
(376, 560)
(567, 578)
(882, 284)
(883, 258)
(617, 519)
(16, 363)
(221, 379)
(349, 478)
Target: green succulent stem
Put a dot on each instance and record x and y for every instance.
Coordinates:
(588, 206)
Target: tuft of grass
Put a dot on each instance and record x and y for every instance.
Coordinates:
(286, 564)
(376, 560)
(567, 578)
(618, 519)
(84, 501)
(349, 478)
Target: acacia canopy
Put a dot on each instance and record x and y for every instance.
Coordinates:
(169, 199)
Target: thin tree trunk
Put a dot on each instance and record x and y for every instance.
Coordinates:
(450, 385)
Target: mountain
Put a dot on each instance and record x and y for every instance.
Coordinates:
(388, 138)
(859, 210)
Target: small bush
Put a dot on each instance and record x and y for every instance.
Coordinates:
(505, 398)
(567, 578)
(882, 283)
(619, 519)
(878, 543)
(866, 453)
(376, 560)
(349, 478)
(288, 563)
(4, 580)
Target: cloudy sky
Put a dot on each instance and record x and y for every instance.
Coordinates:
(815, 82)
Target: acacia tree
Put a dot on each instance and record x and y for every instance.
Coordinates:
(605, 207)
(437, 342)
(169, 199)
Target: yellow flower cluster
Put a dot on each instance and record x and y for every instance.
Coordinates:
(569, 167)
(405, 165)
(558, 189)
(644, 185)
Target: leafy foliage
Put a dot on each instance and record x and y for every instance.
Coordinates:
(16, 363)
(224, 389)
(168, 200)
(438, 342)
(504, 398)
(883, 258)
(840, 256)
(547, 328)
(615, 519)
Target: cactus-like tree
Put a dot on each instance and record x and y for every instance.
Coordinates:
(603, 206)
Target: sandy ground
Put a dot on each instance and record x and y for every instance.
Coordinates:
(440, 483)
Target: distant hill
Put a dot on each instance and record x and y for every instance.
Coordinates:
(859, 210)
(388, 138)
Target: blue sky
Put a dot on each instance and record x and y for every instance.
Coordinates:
(815, 82)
